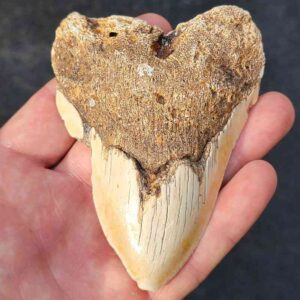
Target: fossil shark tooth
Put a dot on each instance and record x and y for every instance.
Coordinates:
(161, 114)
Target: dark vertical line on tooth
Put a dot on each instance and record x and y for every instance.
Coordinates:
(168, 195)
(155, 235)
(193, 192)
(166, 219)
(180, 199)
(129, 193)
(208, 168)
(175, 181)
(141, 227)
(151, 227)
(105, 162)
(179, 210)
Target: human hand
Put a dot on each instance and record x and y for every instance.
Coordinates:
(51, 243)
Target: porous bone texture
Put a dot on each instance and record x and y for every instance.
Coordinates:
(158, 98)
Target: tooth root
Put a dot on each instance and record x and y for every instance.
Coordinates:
(70, 116)
(154, 239)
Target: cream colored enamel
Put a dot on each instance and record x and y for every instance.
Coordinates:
(154, 239)
(70, 116)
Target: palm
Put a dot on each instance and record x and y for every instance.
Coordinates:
(51, 243)
(51, 236)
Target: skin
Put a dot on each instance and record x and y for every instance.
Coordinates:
(51, 243)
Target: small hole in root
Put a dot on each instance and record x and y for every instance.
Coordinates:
(160, 99)
(163, 47)
(113, 34)
(213, 92)
(196, 56)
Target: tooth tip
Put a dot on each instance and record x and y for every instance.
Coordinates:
(147, 285)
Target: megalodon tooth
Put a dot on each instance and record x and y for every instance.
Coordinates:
(161, 113)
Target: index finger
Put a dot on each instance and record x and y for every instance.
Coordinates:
(37, 130)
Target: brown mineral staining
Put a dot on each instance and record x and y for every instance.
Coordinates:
(158, 98)
(163, 47)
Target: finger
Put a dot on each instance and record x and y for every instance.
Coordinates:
(155, 19)
(37, 130)
(269, 120)
(77, 162)
(240, 203)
